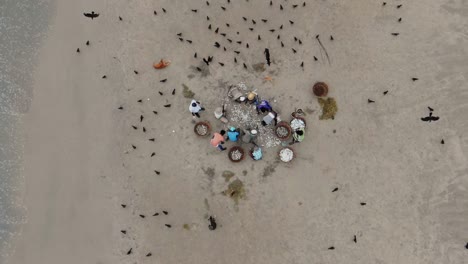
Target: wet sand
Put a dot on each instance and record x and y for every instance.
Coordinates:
(80, 164)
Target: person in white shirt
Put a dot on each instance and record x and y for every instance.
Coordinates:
(195, 107)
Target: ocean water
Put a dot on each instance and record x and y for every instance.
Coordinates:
(23, 25)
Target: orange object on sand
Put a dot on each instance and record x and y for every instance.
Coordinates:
(161, 64)
(268, 78)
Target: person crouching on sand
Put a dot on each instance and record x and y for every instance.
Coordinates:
(218, 139)
(195, 107)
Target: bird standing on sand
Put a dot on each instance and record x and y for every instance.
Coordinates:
(91, 15)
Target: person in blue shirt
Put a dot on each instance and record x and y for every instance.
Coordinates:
(233, 134)
(264, 106)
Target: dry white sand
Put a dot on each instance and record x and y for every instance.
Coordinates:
(78, 172)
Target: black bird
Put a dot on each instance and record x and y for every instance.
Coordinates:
(206, 62)
(291, 22)
(120, 108)
(136, 72)
(239, 42)
(245, 66)
(216, 44)
(430, 118)
(302, 64)
(220, 63)
(123, 231)
(223, 8)
(169, 226)
(247, 45)
(331, 38)
(227, 25)
(384, 3)
(355, 239)
(466, 246)
(272, 30)
(430, 108)
(282, 45)
(165, 212)
(235, 60)
(281, 27)
(87, 43)
(141, 100)
(414, 79)
(295, 39)
(267, 56)
(78, 50)
(259, 38)
(399, 20)
(157, 172)
(334, 190)
(216, 31)
(245, 19)
(156, 214)
(264, 20)
(134, 127)
(303, 4)
(179, 34)
(207, 3)
(271, 3)
(173, 91)
(442, 142)
(300, 42)
(398, 6)
(317, 36)
(385, 92)
(251, 29)
(163, 80)
(167, 106)
(281, 7)
(229, 1)
(278, 37)
(120, 18)
(189, 41)
(161, 93)
(230, 40)
(237, 52)
(331, 248)
(164, 10)
(315, 58)
(91, 15)
(363, 204)
(155, 13)
(207, 18)
(253, 21)
(195, 55)
(199, 69)
(151, 139)
(123, 205)
(129, 251)
(104, 77)
(181, 39)
(212, 225)
(294, 6)
(223, 34)
(370, 101)
(144, 130)
(194, 10)
(152, 154)
(395, 34)
(134, 147)
(149, 254)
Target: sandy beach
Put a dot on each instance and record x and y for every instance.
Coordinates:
(375, 184)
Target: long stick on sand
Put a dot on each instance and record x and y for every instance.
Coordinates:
(326, 53)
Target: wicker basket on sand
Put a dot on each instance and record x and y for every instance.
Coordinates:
(286, 154)
(202, 129)
(320, 89)
(236, 154)
(283, 130)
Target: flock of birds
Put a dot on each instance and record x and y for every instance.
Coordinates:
(230, 40)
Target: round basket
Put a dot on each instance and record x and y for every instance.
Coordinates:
(284, 157)
(236, 150)
(202, 129)
(283, 130)
(300, 118)
(320, 89)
